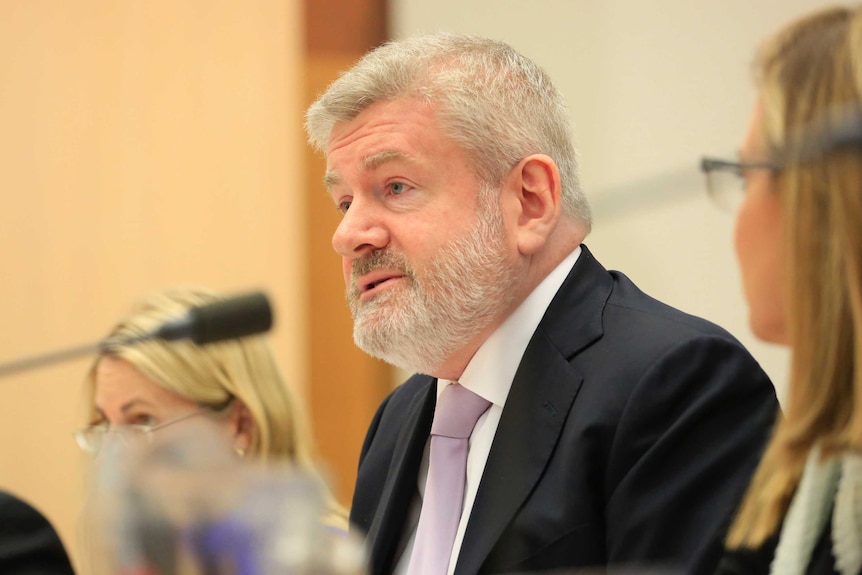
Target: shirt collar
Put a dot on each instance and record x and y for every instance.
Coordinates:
(492, 369)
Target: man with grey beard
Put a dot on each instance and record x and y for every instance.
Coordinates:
(612, 430)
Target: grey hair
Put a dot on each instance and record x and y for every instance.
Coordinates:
(497, 104)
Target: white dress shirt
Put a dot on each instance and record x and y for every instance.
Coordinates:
(489, 375)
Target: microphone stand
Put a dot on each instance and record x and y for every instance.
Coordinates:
(231, 318)
(35, 361)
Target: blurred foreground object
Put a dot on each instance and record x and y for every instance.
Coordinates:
(28, 542)
(184, 503)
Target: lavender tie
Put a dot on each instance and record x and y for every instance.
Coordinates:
(457, 412)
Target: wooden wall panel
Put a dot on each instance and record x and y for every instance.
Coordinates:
(143, 144)
(148, 144)
(347, 384)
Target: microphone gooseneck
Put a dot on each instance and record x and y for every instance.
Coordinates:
(232, 318)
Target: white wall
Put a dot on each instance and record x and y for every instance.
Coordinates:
(652, 86)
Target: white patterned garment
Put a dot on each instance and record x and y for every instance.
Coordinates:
(847, 517)
(838, 479)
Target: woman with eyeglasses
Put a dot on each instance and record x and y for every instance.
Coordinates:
(141, 389)
(799, 245)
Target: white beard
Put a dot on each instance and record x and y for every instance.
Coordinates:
(420, 324)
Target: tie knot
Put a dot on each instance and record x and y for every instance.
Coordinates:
(457, 412)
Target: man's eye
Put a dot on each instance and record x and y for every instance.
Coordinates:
(397, 188)
(344, 206)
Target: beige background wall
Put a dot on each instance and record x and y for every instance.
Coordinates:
(652, 86)
(142, 144)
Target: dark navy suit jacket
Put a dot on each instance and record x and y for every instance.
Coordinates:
(628, 437)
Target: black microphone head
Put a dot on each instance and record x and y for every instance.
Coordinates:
(232, 318)
(845, 132)
(836, 131)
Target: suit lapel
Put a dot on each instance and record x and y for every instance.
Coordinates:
(387, 527)
(542, 394)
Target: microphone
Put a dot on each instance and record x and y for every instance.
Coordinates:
(232, 318)
(229, 319)
(840, 130)
(846, 132)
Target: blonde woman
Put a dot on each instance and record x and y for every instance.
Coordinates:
(799, 246)
(237, 383)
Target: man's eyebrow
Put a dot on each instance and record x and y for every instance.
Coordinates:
(331, 178)
(372, 162)
(376, 160)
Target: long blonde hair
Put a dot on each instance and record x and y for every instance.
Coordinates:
(212, 375)
(806, 73)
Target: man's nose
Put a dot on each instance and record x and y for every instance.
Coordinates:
(361, 231)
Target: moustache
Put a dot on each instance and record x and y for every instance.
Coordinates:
(388, 259)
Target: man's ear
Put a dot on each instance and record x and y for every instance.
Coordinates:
(534, 197)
